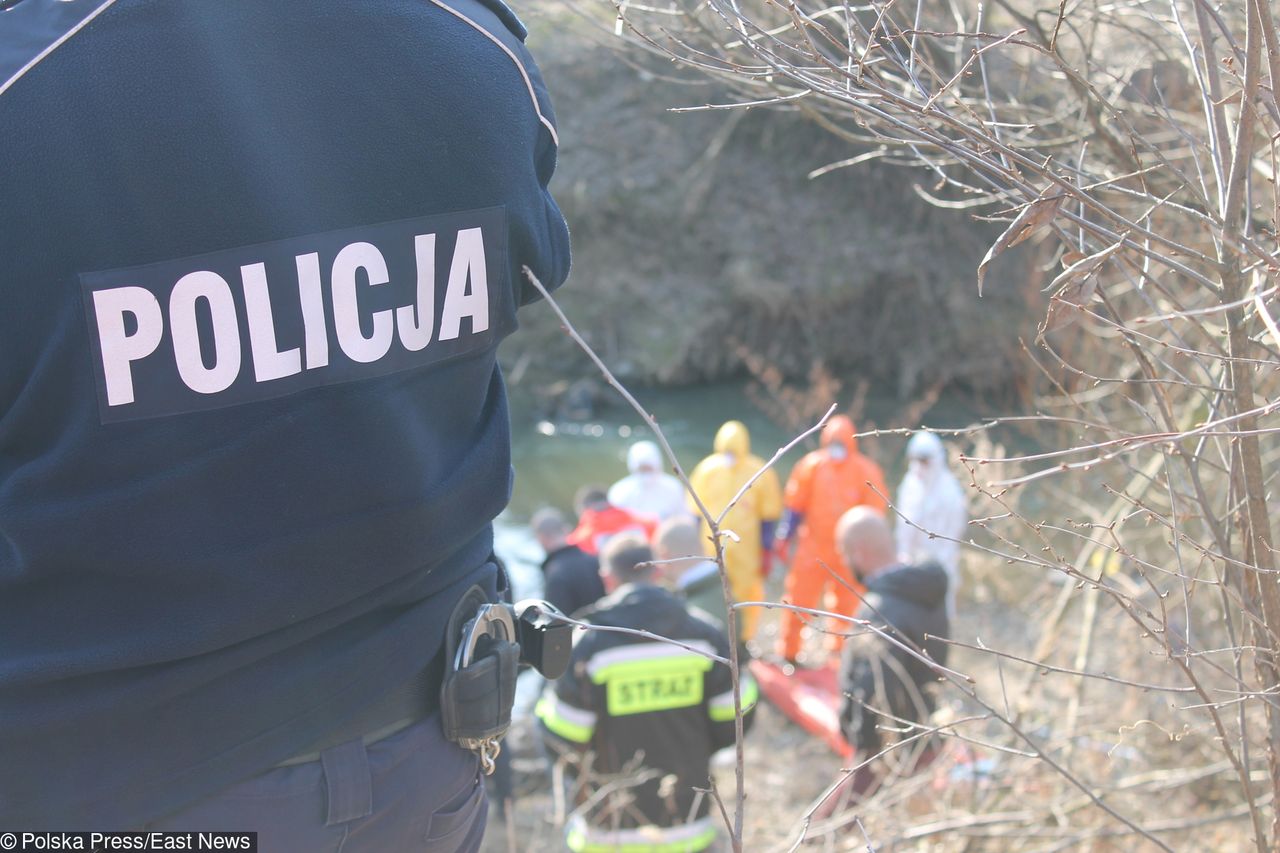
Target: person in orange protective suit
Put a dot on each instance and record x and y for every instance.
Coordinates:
(752, 519)
(823, 486)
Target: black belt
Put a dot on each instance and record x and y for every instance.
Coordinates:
(472, 679)
(397, 709)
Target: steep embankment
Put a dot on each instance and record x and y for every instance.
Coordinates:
(696, 234)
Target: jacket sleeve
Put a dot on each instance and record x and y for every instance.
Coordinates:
(559, 591)
(549, 237)
(567, 711)
(957, 512)
(796, 496)
(697, 480)
(621, 492)
(770, 499)
(858, 689)
(877, 690)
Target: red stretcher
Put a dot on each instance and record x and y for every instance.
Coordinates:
(809, 697)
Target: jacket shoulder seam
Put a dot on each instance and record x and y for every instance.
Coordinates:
(524, 73)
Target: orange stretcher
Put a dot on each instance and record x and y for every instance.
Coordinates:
(809, 697)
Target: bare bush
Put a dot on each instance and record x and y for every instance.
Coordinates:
(1132, 144)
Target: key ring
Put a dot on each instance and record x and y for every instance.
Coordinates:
(488, 751)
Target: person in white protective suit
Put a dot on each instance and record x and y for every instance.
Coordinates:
(931, 501)
(648, 490)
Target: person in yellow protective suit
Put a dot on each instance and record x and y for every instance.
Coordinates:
(823, 486)
(716, 480)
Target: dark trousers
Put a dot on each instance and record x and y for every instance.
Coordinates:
(410, 791)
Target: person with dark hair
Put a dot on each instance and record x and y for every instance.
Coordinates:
(571, 576)
(649, 714)
(253, 433)
(599, 521)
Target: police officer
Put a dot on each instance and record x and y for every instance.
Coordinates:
(255, 265)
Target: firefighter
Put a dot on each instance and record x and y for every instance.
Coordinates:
(649, 713)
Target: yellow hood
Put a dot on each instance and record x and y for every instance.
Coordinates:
(733, 438)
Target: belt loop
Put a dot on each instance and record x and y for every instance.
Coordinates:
(347, 781)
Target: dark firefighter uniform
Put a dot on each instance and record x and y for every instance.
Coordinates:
(255, 265)
(648, 711)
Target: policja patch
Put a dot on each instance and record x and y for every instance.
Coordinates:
(264, 321)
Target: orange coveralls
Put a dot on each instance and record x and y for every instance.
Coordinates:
(820, 490)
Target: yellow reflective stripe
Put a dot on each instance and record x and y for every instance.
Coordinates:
(548, 710)
(647, 652)
(721, 707)
(650, 667)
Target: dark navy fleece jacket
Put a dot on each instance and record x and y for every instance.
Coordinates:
(255, 262)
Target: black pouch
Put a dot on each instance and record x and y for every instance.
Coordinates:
(476, 701)
(482, 658)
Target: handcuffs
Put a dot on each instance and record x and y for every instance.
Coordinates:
(484, 655)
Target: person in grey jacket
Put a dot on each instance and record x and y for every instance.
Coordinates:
(885, 673)
(883, 683)
(887, 684)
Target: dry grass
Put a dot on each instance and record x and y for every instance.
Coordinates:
(985, 797)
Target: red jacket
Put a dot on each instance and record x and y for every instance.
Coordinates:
(598, 526)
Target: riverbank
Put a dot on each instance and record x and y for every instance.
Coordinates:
(692, 254)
